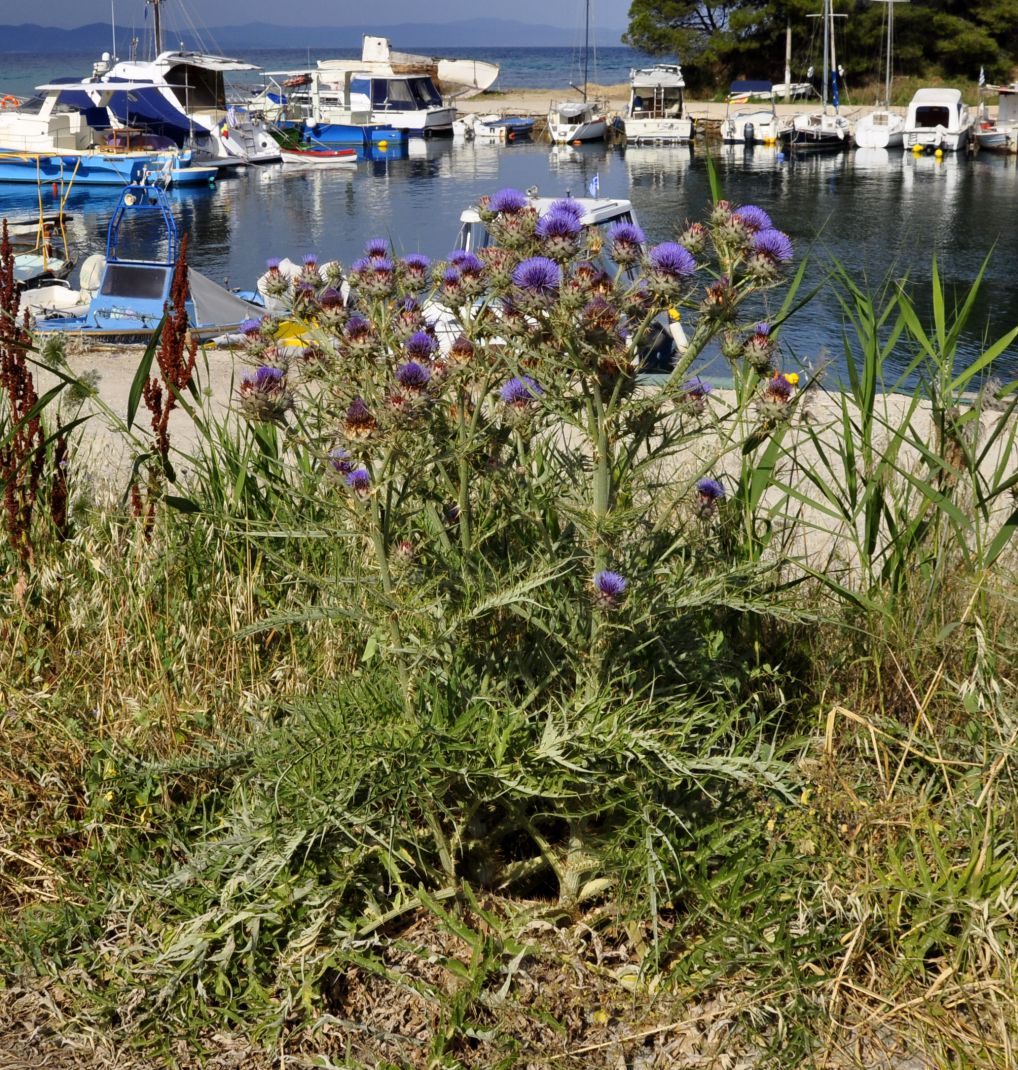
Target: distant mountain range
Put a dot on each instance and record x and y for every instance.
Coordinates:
(467, 33)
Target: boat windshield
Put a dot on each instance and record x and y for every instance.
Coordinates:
(135, 281)
(425, 93)
(933, 115)
(197, 87)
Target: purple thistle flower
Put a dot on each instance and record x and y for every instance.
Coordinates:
(421, 345)
(357, 326)
(466, 263)
(359, 423)
(412, 376)
(539, 275)
(363, 264)
(696, 388)
(670, 258)
(311, 260)
(763, 328)
(339, 461)
(380, 265)
(626, 233)
(265, 380)
(754, 218)
(510, 201)
(558, 225)
(359, 480)
(272, 264)
(450, 277)
(709, 490)
(773, 244)
(330, 298)
(376, 248)
(779, 388)
(250, 326)
(567, 206)
(520, 392)
(609, 588)
(416, 262)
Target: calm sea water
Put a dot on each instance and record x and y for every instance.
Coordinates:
(880, 215)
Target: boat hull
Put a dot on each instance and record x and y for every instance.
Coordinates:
(880, 130)
(84, 169)
(750, 128)
(352, 134)
(658, 130)
(816, 133)
(320, 157)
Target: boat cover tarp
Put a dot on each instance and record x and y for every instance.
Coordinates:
(751, 87)
(573, 110)
(214, 305)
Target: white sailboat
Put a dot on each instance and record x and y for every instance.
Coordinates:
(883, 128)
(825, 130)
(578, 120)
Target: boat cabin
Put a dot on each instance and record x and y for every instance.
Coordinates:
(656, 92)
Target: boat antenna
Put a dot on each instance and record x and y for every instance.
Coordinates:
(113, 29)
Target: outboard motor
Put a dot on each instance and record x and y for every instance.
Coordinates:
(747, 133)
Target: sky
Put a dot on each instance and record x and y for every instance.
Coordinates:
(207, 13)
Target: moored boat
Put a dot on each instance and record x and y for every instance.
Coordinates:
(317, 157)
(883, 128)
(124, 297)
(656, 111)
(750, 123)
(579, 120)
(1001, 134)
(937, 118)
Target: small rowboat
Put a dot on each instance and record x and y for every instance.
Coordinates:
(319, 157)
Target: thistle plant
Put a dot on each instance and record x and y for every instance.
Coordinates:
(529, 517)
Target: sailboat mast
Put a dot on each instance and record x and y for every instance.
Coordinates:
(158, 31)
(828, 21)
(586, 50)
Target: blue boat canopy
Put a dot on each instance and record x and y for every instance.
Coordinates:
(751, 87)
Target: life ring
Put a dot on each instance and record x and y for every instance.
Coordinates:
(9, 102)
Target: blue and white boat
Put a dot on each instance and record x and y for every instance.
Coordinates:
(182, 96)
(130, 290)
(45, 140)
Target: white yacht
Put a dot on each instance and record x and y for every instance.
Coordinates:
(937, 119)
(1001, 134)
(656, 109)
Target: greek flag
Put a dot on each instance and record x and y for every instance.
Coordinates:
(982, 78)
(594, 186)
(231, 116)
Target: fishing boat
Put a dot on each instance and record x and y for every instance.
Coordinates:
(826, 130)
(1000, 135)
(123, 295)
(937, 118)
(579, 120)
(750, 124)
(883, 128)
(314, 157)
(656, 110)
(40, 249)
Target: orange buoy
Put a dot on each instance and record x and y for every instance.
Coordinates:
(56, 189)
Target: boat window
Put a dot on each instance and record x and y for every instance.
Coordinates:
(425, 93)
(196, 87)
(933, 115)
(473, 236)
(391, 95)
(135, 281)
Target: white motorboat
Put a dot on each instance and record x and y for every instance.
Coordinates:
(656, 110)
(883, 128)
(579, 120)
(1000, 135)
(937, 118)
(751, 123)
(409, 102)
(825, 130)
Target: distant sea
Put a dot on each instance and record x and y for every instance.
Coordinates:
(520, 68)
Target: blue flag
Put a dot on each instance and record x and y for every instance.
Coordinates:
(594, 186)
(835, 99)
